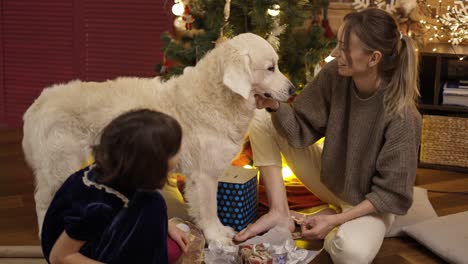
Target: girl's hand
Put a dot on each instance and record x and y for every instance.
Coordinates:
(318, 226)
(179, 236)
(263, 102)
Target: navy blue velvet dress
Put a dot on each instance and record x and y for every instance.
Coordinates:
(116, 229)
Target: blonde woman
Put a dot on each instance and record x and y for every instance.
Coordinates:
(363, 103)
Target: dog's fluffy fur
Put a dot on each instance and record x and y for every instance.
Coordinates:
(213, 101)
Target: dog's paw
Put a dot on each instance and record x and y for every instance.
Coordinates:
(220, 233)
(226, 241)
(227, 231)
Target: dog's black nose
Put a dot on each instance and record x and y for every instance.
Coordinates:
(292, 90)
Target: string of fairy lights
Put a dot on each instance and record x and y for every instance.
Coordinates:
(454, 21)
(181, 11)
(448, 24)
(178, 8)
(442, 21)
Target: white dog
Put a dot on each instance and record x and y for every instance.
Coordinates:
(213, 101)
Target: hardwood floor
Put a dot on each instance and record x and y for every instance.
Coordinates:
(18, 219)
(17, 208)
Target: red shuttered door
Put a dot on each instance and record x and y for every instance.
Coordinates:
(122, 37)
(50, 41)
(2, 81)
(37, 51)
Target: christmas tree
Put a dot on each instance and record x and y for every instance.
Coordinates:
(298, 29)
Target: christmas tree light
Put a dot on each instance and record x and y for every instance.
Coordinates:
(292, 27)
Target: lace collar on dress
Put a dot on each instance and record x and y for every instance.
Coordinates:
(99, 186)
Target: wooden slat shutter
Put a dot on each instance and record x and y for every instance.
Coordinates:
(51, 41)
(2, 79)
(122, 37)
(37, 51)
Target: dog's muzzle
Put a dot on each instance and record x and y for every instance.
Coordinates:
(292, 89)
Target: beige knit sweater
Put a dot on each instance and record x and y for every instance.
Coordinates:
(367, 154)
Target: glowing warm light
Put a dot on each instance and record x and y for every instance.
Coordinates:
(247, 167)
(274, 11)
(329, 58)
(287, 172)
(179, 23)
(178, 9)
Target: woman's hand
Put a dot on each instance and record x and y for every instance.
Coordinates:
(316, 227)
(263, 102)
(179, 236)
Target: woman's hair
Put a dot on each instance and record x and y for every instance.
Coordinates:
(399, 65)
(134, 150)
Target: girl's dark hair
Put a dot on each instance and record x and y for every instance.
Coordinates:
(134, 150)
(379, 31)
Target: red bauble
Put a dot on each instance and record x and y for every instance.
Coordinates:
(328, 31)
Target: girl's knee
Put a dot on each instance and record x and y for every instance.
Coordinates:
(261, 119)
(344, 250)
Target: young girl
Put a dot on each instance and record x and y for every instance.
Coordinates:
(111, 211)
(364, 104)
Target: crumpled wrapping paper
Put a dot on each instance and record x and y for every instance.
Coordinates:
(219, 253)
(278, 242)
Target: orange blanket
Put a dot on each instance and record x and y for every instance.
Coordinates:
(299, 197)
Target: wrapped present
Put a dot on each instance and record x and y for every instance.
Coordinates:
(237, 197)
(254, 254)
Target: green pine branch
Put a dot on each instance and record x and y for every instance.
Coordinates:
(299, 46)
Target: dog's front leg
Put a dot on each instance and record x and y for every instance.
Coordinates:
(201, 196)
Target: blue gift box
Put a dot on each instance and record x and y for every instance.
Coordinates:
(238, 197)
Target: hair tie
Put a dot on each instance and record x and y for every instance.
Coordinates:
(401, 35)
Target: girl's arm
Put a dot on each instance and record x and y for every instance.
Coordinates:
(179, 236)
(318, 226)
(66, 250)
(305, 121)
(363, 208)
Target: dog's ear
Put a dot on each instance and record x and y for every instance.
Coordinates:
(238, 77)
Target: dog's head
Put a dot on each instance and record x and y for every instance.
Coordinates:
(252, 68)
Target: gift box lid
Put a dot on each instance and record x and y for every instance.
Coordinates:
(240, 175)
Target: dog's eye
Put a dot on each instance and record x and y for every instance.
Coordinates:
(272, 68)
